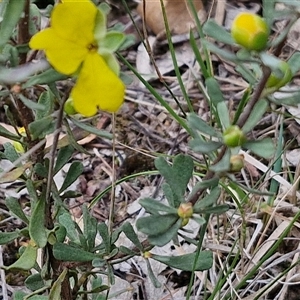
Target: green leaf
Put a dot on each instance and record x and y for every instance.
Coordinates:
(100, 26)
(178, 175)
(111, 42)
(131, 235)
(168, 192)
(217, 32)
(10, 152)
(164, 238)
(223, 165)
(26, 261)
(219, 209)
(7, 237)
(202, 146)
(90, 228)
(63, 157)
(186, 262)
(256, 114)
(45, 77)
(15, 208)
(74, 172)
(103, 231)
(34, 19)
(196, 123)
(67, 252)
(11, 17)
(150, 204)
(217, 99)
(292, 99)
(40, 128)
(34, 282)
(152, 277)
(37, 228)
(264, 148)
(46, 99)
(66, 220)
(158, 224)
(6, 133)
(31, 104)
(92, 129)
(294, 62)
(207, 201)
(55, 292)
(227, 55)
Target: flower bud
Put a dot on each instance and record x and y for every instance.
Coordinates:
(69, 107)
(233, 136)
(250, 31)
(185, 210)
(236, 163)
(280, 80)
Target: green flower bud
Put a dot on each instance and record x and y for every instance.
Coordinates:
(185, 210)
(233, 136)
(69, 107)
(236, 163)
(280, 80)
(250, 31)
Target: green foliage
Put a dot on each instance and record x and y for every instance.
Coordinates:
(196, 186)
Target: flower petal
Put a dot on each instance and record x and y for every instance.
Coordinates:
(97, 87)
(75, 21)
(65, 56)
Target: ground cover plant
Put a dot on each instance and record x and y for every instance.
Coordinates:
(192, 184)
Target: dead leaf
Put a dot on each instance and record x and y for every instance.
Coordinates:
(14, 174)
(180, 17)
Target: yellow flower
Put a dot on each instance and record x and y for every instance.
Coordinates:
(250, 31)
(70, 46)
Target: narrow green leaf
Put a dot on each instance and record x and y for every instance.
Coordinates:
(186, 262)
(40, 128)
(15, 208)
(152, 277)
(256, 114)
(264, 148)
(45, 77)
(154, 225)
(6, 237)
(173, 200)
(7, 134)
(209, 200)
(63, 157)
(55, 292)
(223, 165)
(92, 129)
(196, 123)
(26, 261)
(164, 238)
(66, 220)
(12, 14)
(201, 146)
(37, 228)
(178, 175)
(217, 32)
(103, 231)
(150, 204)
(46, 99)
(294, 62)
(74, 172)
(67, 252)
(131, 235)
(90, 228)
(31, 104)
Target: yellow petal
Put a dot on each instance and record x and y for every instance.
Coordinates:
(97, 87)
(75, 21)
(65, 56)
